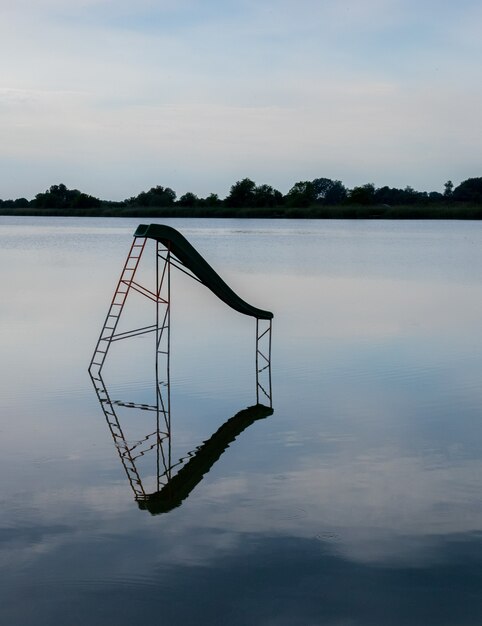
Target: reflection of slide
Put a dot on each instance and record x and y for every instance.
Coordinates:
(152, 451)
(180, 486)
(180, 247)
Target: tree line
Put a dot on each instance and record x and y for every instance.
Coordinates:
(246, 193)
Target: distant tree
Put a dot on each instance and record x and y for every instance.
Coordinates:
(188, 199)
(241, 194)
(302, 194)
(329, 191)
(84, 201)
(156, 196)
(59, 197)
(394, 196)
(336, 194)
(213, 200)
(388, 195)
(364, 194)
(469, 190)
(21, 203)
(448, 189)
(410, 196)
(56, 196)
(266, 196)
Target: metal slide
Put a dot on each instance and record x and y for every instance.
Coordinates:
(180, 247)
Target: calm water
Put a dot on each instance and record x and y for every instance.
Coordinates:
(358, 501)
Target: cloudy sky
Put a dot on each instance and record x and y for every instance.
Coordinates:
(115, 96)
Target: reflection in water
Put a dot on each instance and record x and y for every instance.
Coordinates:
(170, 490)
(178, 487)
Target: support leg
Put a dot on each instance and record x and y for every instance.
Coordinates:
(263, 361)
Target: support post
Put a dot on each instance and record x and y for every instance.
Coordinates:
(163, 349)
(263, 361)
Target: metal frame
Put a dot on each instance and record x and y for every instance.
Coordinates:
(162, 327)
(163, 351)
(161, 297)
(160, 439)
(263, 361)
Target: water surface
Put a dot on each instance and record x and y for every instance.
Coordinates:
(358, 501)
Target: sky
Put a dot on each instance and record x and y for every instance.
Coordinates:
(113, 97)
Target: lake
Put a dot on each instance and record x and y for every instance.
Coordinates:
(356, 501)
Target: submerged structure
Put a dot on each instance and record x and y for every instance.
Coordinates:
(172, 250)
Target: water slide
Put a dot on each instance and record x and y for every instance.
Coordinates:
(180, 486)
(197, 264)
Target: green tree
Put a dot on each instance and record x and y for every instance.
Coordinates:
(21, 203)
(213, 200)
(59, 197)
(469, 190)
(188, 199)
(448, 189)
(241, 194)
(364, 194)
(302, 194)
(266, 196)
(329, 191)
(156, 196)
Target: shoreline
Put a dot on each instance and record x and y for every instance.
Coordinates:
(355, 212)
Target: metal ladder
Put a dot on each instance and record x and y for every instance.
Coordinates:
(126, 279)
(119, 439)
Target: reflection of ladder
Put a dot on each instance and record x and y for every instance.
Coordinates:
(118, 436)
(126, 281)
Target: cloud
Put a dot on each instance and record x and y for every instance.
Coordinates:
(277, 91)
